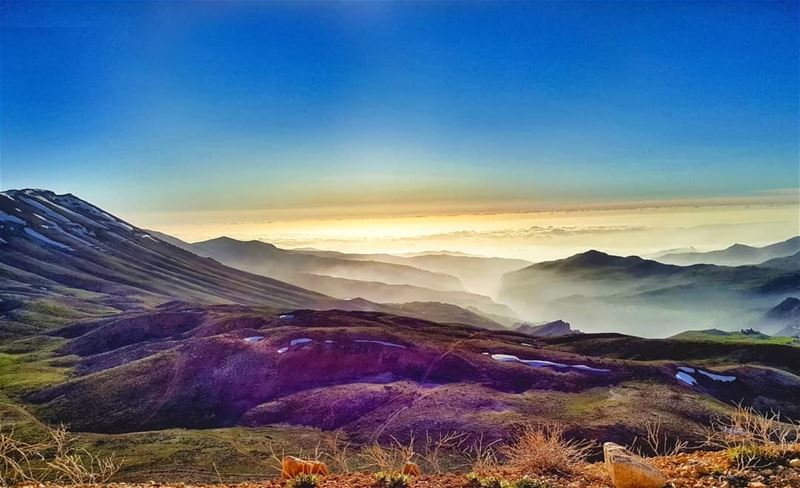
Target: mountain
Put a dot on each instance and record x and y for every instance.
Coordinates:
(380, 376)
(603, 292)
(62, 258)
(478, 274)
(264, 258)
(783, 319)
(548, 329)
(385, 293)
(735, 255)
(310, 268)
(791, 262)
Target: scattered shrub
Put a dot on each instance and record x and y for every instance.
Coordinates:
(474, 480)
(543, 449)
(752, 439)
(657, 443)
(752, 456)
(392, 480)
(482, 456)
(303, 481)
(389, 459)
(54, 459)
(527, 482)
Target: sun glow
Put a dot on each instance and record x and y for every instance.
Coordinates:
(531, 235)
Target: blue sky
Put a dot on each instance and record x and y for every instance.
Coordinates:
(263, 105)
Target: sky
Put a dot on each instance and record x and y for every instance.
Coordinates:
(332, 117)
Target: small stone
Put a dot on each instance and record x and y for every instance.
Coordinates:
(756, 484)
(795, 463)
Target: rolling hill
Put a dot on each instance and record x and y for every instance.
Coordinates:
(375, 375)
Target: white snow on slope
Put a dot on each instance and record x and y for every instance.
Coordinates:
(4, 217)
(536, 363)
(717, 377)
(685, 378)
(45, 239)
(382, 343)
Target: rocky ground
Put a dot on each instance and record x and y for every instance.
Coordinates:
(695, 470)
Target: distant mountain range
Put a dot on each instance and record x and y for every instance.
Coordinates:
(112, 328)
(783, 319)
(63, 259)
(735, 255)
(478, 274)
(645, 297)
(376, 277)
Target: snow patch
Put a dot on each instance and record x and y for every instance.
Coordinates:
(301, 341)
(382, 343)
(4, 217)
(537, 363)
(45, 239)
(685, 378)
(717, 377)
(286, 316)
(45, 209)
(253, 338)
(282, 350)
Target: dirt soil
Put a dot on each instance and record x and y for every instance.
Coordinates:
(695, 470)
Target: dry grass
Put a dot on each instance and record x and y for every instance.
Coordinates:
(55, 459)
(483, 456)
(542, 449)
(753, 439)
(438, 447)
(389, 459)
(339, 454)
(657, 443)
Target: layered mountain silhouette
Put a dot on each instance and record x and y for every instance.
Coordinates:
(783, 319)
(735, 255)
(375, 277)
(63, 259)
(140, 331)
(646, 297)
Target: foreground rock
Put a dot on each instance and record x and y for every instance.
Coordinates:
(628, 470)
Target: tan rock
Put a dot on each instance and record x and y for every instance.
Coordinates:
(795, 463)
(627, 470)
(756, 484)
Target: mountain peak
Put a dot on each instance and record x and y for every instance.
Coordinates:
(595, 258)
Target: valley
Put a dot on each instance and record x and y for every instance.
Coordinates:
(147, 346)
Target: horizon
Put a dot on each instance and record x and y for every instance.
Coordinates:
(175, 114)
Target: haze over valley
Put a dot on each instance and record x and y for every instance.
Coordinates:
(392, 244)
